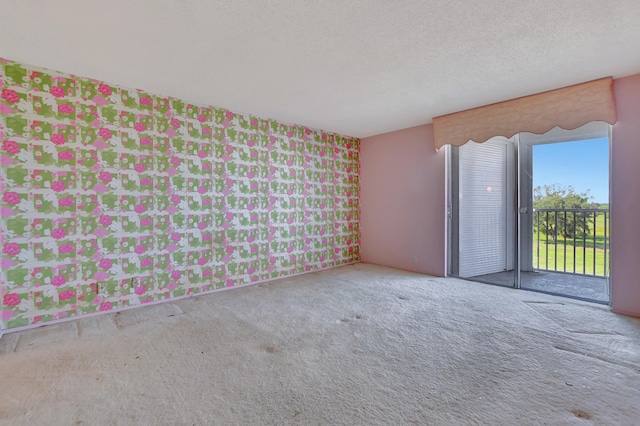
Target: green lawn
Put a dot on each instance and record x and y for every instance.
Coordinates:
(552, 254)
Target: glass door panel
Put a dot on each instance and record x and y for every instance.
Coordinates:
(564, 212)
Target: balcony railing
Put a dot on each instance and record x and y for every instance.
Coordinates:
(575, 241)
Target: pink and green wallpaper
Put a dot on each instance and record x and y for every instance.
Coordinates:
(113, 197)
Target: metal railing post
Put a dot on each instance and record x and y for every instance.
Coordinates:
(595, 219)
(584, 245)
(604, 272)
(566, 229)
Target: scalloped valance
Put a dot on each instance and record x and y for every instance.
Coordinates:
(568, 108)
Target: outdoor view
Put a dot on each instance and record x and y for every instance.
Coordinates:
(571, 210)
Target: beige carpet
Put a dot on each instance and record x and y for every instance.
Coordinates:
(360, 344)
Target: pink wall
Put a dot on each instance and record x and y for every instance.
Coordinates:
(402, 200)
(625, 196)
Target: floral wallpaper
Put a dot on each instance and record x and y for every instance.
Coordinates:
(113, 197)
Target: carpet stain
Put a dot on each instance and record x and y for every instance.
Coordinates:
(581, 414)
(271, 350)
(116, 321)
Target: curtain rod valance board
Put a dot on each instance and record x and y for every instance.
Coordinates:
(568, 108)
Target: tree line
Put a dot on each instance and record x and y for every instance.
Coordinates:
(560, 197)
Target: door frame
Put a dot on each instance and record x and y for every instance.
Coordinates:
(591, 130)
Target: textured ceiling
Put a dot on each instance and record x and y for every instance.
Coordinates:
(356, 67)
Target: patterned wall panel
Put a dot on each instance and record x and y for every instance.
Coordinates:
(113, 197)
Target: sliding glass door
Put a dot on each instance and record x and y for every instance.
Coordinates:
(564, 232)
(510, 226)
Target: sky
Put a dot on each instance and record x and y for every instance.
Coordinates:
(581, 164)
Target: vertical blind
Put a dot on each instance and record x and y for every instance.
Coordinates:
(483, 227)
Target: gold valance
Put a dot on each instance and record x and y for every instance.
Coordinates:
(568, 108)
